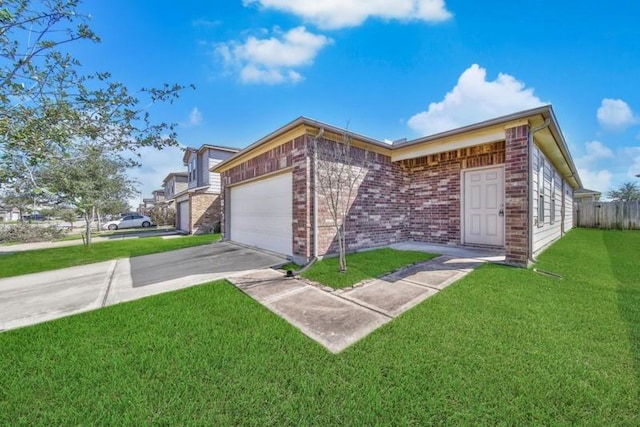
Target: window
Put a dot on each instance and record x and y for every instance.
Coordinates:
(192, 169)
(541, 191)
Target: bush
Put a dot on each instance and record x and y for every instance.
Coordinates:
(163, 216)
(27, 233)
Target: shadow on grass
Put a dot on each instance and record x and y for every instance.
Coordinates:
(624, 255)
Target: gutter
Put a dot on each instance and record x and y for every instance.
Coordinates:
(530, 143)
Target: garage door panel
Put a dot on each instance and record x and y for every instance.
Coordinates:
(261, 213)
(183, 216)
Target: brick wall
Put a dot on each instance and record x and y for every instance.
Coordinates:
(417, 199)
(205, 213)
(517, 195)
(432, 188)
(376, 212)
(293, 155)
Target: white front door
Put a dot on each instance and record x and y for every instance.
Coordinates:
(483, 209)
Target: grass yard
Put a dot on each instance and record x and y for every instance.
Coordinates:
(18, 263)
(124, 232)
(362, 266)
(502, 346)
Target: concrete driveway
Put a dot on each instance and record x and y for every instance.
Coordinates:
(34, 298)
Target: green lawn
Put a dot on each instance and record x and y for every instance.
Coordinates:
(15, 264)
(362, 266)
(124, 232)
(503, 346)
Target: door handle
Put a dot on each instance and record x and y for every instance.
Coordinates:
(501, 212)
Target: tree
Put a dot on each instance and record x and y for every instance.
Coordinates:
(626, 192)
(340, 169)
(47, 103)
(69, 215)
(22, 192)
(89, 177)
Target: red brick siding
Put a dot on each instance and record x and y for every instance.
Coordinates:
(292, 154)
(377, 214)
(433, 190)
(517, 177)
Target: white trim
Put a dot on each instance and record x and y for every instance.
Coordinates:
(462, 200)
(436, 147)
(261, 177)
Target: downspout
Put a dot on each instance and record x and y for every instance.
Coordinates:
(546, 123)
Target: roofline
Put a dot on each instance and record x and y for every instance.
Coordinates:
(562, 144)
(546, 111)
(168, 177)
(475, 126)
(208, 146)
(587, 191)
(302, 120)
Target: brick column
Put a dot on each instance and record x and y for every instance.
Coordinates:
(517, 177)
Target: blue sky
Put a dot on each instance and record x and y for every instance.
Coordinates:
(390, 69)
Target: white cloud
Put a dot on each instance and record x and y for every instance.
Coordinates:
(272, 60)
(599, 180)
(333, 14)
(195, 117)
(475, 99)
(592, 177)
(615, 114)
(596, 150)
(634, 154)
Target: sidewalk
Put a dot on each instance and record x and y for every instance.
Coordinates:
(338, 318)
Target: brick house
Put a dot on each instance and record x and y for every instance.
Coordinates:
(505, 183)
(198, 208)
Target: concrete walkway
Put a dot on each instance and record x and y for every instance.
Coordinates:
(338, 318)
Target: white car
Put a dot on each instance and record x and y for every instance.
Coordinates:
(129, 221)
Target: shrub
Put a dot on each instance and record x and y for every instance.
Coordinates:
(163, 216)
(27, 233)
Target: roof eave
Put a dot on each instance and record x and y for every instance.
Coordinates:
(292, 125)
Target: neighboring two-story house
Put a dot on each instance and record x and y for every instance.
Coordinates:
(173, 184)
(198, 208)
(158, 196)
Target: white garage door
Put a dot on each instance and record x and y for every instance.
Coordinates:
(261, 213)
(183, 216)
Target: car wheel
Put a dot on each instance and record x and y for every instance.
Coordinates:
(146, 224)
(113, 227)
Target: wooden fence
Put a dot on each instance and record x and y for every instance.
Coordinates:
(620, 215)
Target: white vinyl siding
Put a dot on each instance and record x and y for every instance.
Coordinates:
(568, 207)
(215, 157)
(546, 220)
(203, 170)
